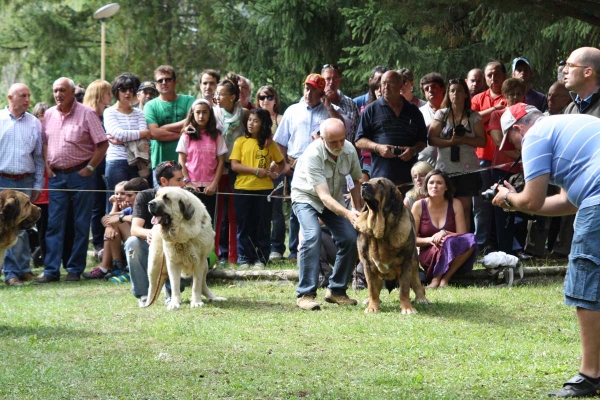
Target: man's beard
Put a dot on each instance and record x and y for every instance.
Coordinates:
(335, 152)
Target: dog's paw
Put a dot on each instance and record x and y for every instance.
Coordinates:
(217, 298)
(173, 305)
(408, 310)
(422, 300)
(371, 310)
(195, 304)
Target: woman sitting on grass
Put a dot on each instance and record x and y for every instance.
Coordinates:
(447, 249)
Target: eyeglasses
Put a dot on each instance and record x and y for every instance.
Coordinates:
(165, 80)
(332, 66)
(569, 65)
(125, 90)
(263, 98)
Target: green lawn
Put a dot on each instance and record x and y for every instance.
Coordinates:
(89, 340)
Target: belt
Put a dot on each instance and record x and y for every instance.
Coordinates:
(9, 176)
(72, 169)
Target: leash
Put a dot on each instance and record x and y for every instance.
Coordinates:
(162, 268)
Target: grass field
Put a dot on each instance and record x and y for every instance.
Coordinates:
(89, 340)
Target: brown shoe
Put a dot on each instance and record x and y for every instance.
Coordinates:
(308, 302)
(72, 277)
(13, 282)
(28, 276)
(340, 299)
(45, 279)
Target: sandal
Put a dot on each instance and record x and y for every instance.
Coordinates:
(577, 386)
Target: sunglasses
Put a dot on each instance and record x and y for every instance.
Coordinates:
(263, 98)
(327, 66)
(125, 90)
(455, 81)
(165, 80)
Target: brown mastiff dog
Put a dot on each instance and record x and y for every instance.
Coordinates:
(16, 213)
(387, 244)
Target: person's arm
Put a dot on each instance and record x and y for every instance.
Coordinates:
(287, 168)
(331, 109)
(99, 154)
(113, 128)
(182, 157)
(459, 216)
(416, 212)
(357, 200)
(411, 151)
(137, 229)
(433, 133)
(240, 168)
(333, 205)
(175, 127)
(163, 135)
(384, 150)
(487, 113)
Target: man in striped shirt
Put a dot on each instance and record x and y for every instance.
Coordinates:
(22, 167)
(74, 144)
(563, 150)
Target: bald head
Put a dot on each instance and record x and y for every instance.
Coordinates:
(333, 134)
(19, 99)
(475, 81)
(582, 71)
(558, 98)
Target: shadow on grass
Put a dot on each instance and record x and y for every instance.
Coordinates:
(42, 332)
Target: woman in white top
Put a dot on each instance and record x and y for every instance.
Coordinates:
(123, 124)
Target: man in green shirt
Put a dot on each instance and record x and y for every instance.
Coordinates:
(165, 115)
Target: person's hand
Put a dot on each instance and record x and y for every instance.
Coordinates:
(326, 102)
(211, 189)
(110, 219)
(438, 239)
(500, 106)
(35, 195)
(110, 233)
(85, 172)
(498, 200)
(384, 151)
(49, 172)
(352, 216)
(112, 198)
(149, 236)
(192, 185)
(407, 153)
(113, 140)
(262, 173)
(329, 93)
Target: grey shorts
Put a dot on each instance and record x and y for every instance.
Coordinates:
(582, 283)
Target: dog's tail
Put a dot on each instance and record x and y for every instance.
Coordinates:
(157, 278)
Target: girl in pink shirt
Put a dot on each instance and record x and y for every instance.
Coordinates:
(202, 152)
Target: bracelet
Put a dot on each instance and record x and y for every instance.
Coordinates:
(257, 171)
(121, 216)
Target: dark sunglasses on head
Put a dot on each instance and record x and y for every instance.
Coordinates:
(165, 80)
(270, 98)
(455, 81)
(327, 66)
(126, 89)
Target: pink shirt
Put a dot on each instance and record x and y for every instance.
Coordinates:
(202, 156)
(71, 138)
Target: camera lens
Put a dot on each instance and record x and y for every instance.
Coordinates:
(460, 130)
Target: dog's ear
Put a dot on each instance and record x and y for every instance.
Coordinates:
(398, 201)
(186, 209)
(10, 209)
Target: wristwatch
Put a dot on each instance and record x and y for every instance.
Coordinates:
(121, 216)
(508, 204)
(90, 167)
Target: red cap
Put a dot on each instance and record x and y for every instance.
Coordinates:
(315, 80)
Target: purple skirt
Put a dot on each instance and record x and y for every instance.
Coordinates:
(436, 260)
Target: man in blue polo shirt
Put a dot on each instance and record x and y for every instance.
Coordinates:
(562, 150)
(393, 130)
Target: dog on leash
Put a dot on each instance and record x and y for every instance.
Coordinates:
(182, 238)
(387, 244)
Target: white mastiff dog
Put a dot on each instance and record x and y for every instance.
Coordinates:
(182, 238)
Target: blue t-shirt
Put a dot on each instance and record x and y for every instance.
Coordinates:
(567, 147)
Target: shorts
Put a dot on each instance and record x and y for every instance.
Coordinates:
(467, 185)
(582, 283)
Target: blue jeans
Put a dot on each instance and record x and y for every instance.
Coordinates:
(278, 221)
(99, 206)
(294, 230)
(136, 252)
(17, 258)
(69, 185)
(482, 211)
(344, 236)
(117, 171)
(253, 226)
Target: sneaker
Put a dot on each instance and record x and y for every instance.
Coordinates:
(113, 273)
(123, 278)
(341, 299)
(96, 273)
(275, 256)
(258, 265)
(142, 301)
(244, 266)
(308, 302)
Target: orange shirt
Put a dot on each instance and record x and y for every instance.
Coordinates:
(482, 102)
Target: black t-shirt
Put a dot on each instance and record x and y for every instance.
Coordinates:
(379, 123)
(140, 208)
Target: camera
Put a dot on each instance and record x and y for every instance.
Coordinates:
(489, 194)
(455, 154)
(397, 151)
(460, 130)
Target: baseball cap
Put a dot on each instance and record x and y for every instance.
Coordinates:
(518, 60)
(147, 85)
(511, 116)
(315, 80)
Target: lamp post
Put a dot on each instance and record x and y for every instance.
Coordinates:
(104, 13)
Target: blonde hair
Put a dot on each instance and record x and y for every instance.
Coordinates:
(420, 167)
(94, 93)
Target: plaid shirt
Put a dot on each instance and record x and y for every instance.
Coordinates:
(21, 144)
(71, 138)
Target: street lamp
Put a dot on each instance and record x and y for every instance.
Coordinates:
(104, 13)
